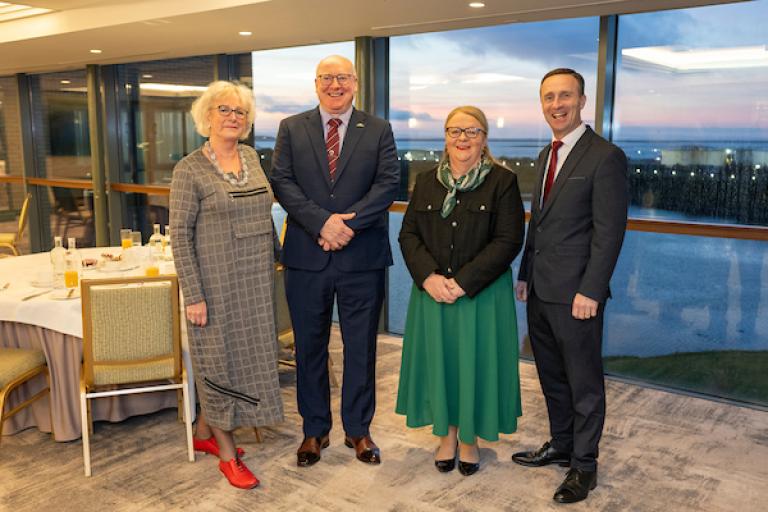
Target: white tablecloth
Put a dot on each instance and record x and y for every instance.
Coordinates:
(63, 317)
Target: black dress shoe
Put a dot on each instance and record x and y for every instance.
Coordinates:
(543, 456)
(309, 451)
(365, 449)
(468, 468)
(576, 486)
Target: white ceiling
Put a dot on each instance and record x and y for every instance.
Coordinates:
(136, 30)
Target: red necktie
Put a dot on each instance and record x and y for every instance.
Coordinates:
(552, 169)
(332, 145)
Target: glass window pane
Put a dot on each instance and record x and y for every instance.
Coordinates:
(284, 84)
(156, 126)
(11, 158)
(70, 211)
(144, 210)
(497, 69)
(664, 326)
(691, 113)
(60, 111)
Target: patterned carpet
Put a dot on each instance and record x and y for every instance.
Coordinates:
(660, 451)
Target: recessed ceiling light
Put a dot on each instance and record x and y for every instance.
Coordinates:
(95, 51)
(65, 82)
(476, 5)
(147, 75)
(245, 33)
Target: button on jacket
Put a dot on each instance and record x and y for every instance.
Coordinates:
(476, 243)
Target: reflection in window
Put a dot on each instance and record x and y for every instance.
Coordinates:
(497, 69)
(60, 110)
(692, 114)
(664, 326)
(11, 163)
(71, 214)
(158, 129)
(284, 85)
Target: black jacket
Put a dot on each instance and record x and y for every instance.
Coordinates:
(476, 243)
(574, 241)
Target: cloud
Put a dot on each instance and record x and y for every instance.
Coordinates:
(266, 103)
(404, 115)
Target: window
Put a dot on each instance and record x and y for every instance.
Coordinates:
(497, 69)
(284, 85)
(692, 113)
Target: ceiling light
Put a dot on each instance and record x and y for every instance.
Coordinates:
(95, 51)
(65, 82)
(146, 75)
(683, 59)
(476, 5)
(245, 33)
(10, 11)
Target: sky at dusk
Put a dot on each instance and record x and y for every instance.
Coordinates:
(499, 68)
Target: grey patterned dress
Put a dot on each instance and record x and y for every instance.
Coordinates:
(223, 246)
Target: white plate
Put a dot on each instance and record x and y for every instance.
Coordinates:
(113, 269)
(41, 284)
(64, 294)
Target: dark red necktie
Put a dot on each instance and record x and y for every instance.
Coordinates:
(332, 145)
(551, 170)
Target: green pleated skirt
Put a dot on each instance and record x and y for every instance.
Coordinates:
(460, 363)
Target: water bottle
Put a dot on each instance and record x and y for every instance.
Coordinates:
(167, 248)
(156, 243)
(73, 264)
(58, 262)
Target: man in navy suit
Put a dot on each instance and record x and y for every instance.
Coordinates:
(578, 218)
(335, 172)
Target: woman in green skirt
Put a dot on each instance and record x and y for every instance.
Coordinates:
(463, 227)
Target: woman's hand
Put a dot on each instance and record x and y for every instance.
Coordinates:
(197, 314)
(456, 290)
(437, 288)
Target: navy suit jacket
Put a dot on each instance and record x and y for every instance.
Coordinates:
(573, 242)
(366, 183)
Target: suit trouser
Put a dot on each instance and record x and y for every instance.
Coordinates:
(568, 354)
(359, 296)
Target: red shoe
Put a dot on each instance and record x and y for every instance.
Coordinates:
(211, 446)
(238, 474)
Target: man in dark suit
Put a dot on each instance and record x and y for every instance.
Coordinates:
(578, 218)
(335, 172)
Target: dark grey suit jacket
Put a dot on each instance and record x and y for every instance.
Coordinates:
(366, 182)
(574, 241)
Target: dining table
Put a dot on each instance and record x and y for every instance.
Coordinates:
(35, 315)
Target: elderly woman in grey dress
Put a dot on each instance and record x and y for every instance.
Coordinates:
(224, 248)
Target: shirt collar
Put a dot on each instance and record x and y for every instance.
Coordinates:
(572, 138)
(345, 116)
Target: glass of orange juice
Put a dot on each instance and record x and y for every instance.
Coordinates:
(125, 239)
(152, 270)
(70, 278)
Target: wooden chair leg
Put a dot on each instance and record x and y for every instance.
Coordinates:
(187, 417)
(180, 404)
(2, 412)
(257, 433)
(84, 417)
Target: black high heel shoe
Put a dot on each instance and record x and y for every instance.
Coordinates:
(469, 468)
(447, 465)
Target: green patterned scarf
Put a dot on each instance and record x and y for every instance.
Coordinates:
(466, 183)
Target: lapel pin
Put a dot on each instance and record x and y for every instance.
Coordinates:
(359, 125)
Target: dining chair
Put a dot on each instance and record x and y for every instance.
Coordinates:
(11, 240)
(19, 366)
(131, 344)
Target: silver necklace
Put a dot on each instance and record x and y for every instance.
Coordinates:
(227, 176)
